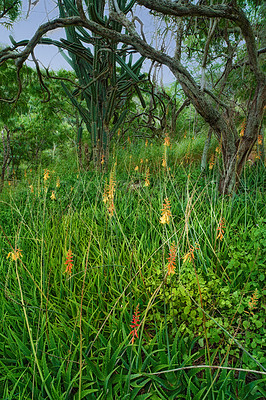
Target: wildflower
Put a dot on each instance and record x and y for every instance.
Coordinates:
(146, 142)
(31, 188)
(171, 259)
(118, 132)
(141, 160)
(57, 182)
(252, 304)
(111, 208)
(69, 262)
(190, 255)
(218, 149)
(243, 127)
(147, 181)
(136, 168)
(212, 161)
(220, 229)
(260, 140)
(135, 324)
(258, 155)
(109, 194)
(46, 175)
(166, 140)
(15, 255)
(52, 197)
(164, 162)
(102, 159)
(166, 212)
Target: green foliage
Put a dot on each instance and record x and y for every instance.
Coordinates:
(121, 262)
(107, 76)
(35, 126)
(9, 11)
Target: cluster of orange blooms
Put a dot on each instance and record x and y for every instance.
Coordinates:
(171, 259)
(190, 254)
(69, 262)
(220, 229)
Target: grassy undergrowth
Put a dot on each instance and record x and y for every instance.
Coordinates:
(101, 300)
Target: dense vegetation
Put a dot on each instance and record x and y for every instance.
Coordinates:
(104, 295)
(132, 216)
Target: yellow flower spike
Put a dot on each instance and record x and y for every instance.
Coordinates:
(212, 162)
(166, 140)
(46, 175)
(146, 142)
(31, 188)
(220, 229)
(136, 168)
(52, 197)
(166, 212)
(109, 194)
(15, 255)
(147, 181)
(57, 182)
(164, 162)
(260, 140)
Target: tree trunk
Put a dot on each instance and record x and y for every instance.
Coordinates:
(6, 155)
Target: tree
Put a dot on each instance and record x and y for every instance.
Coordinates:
(9, 11)
(107, 76)
(219, 111)
(34, 125)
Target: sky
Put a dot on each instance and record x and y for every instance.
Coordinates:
(49, 56)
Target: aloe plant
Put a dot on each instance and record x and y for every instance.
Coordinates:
(106, 73)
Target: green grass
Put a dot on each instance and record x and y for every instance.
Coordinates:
(68, 336)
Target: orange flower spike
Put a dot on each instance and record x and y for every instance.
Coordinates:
(166, 140)
(69, 262)
(220, 229)
(243, 127)
(171, 259)
(135, 324)
(252, 304)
